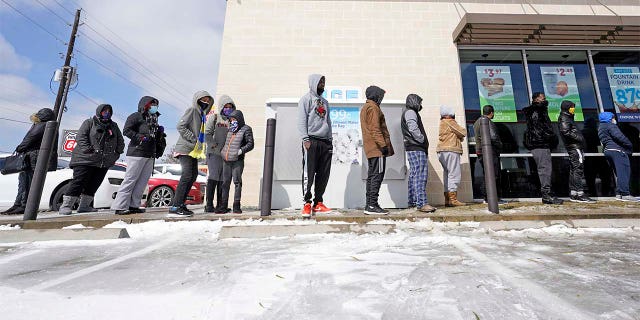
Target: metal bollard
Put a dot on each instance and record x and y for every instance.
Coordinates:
(40, 172)
(489, 172)
(267, 171)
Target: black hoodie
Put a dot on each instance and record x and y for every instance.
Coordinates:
(31, 142)
(413, 133)
(571, 136)
(539, 133)
(375, 94)
(142, 128)
(99, 144)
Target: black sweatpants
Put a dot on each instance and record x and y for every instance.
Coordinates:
(375, 175)
(576, 172)
(189, 174)
(316, 168)
(86, 180)
(231, 170)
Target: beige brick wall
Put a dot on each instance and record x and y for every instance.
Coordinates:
(271, 46)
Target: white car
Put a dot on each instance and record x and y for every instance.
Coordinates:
(55, 186)
(174, 171)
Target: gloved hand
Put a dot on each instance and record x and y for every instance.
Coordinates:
(143, 138)
(239, 151)
(160, 129)
(385, 151)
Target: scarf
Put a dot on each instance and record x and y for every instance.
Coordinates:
(199, 150)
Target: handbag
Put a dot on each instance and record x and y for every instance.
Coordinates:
(17, 162)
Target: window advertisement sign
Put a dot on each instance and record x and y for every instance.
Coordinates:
(343, 94)
(494, 87)
(560, 84)
(625, 91)
(347, 136)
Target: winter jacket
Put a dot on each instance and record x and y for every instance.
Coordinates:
(217, 126)
(450, 136)
(189, 125)
(141, 126)
(239, 140)
(31, 142)
(98, 144)
(571, 136)
(413, 133)
(539, 133)
(375, 134)
(496, 142)
(612, 138)
(314, 118)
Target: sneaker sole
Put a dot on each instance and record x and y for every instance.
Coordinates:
(624, 200)
(580, 201)
(177, 215)
(376, 213)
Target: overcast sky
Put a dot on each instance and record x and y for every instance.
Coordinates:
(125, 49)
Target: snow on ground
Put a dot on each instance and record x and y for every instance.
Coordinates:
(423, 270)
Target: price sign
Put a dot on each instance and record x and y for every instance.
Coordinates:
(625, 92)
(494, 88)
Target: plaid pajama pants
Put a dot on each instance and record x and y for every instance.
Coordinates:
(418, 174)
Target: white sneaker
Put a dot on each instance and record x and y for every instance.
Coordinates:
(626, 198)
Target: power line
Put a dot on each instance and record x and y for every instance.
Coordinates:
(13, 120)
(86, 97)
(54, 13)
(64, 8)
(34, 22)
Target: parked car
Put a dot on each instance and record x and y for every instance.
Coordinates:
(162, 188)
(176, 170)
(56, 183)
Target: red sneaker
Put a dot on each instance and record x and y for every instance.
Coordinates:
(306, 210)
(321, 208)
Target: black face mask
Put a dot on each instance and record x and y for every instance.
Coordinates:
(202, 104)
(543, 104)
(320, 91)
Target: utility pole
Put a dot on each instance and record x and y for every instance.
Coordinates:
(48, 146)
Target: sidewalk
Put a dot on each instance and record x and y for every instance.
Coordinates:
(516, 211)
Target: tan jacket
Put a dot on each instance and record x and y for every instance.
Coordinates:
(451, 136)
(375, 134)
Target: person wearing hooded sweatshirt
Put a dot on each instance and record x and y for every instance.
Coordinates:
(416, 145)
(314, 125)
(496, 143)
(147, 144)
(449, 151)
(216, 135)
(377, 147)
(540, 139)
(575, 145)
(239, 141)
(191, 134)
(31, 146)
(617, 149)
(99, 145)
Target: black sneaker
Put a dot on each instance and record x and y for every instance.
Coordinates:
(137, 210)
(550, 200)
(209, 209)
(375, 210)
(10, 210)
(181, 211)
(185, 209)
(123, 212)
(582, 198)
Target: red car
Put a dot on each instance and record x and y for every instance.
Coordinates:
(162, 188)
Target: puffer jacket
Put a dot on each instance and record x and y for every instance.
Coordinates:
(450, 136)
(99, 144)
(413, 133)
(375, 134)
(571, 136)
(218, 126)
(31, 142)
(189, 124)
(242, 139)
(610, 135)
(539, 133)
(140, 125)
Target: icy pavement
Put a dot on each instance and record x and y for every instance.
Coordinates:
(424, 270)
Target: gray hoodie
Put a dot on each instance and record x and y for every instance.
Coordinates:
(312, 122)
(189, 125)
(217, 126)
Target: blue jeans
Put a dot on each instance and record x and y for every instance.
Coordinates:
(619, 161)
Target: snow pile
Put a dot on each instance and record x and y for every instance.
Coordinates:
(4, 227)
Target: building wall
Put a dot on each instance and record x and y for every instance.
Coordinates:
(271, 46)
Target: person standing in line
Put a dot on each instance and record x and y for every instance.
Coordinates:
(147, 144)
(496, 144)
(539, 138)
(314, 126)
(31, 146)
(377, 147)
(99, 145)
(449, 151)
(617, 148)
(239, 141)
(215, 135)
(416, 145)
(575, 145)
(191, 135)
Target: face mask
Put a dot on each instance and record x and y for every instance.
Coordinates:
(572, 110)
(233, 126)
(203, 105)
(105, 115)
(153, 109)
(227, 111)
(320, 91)
(543, 103)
